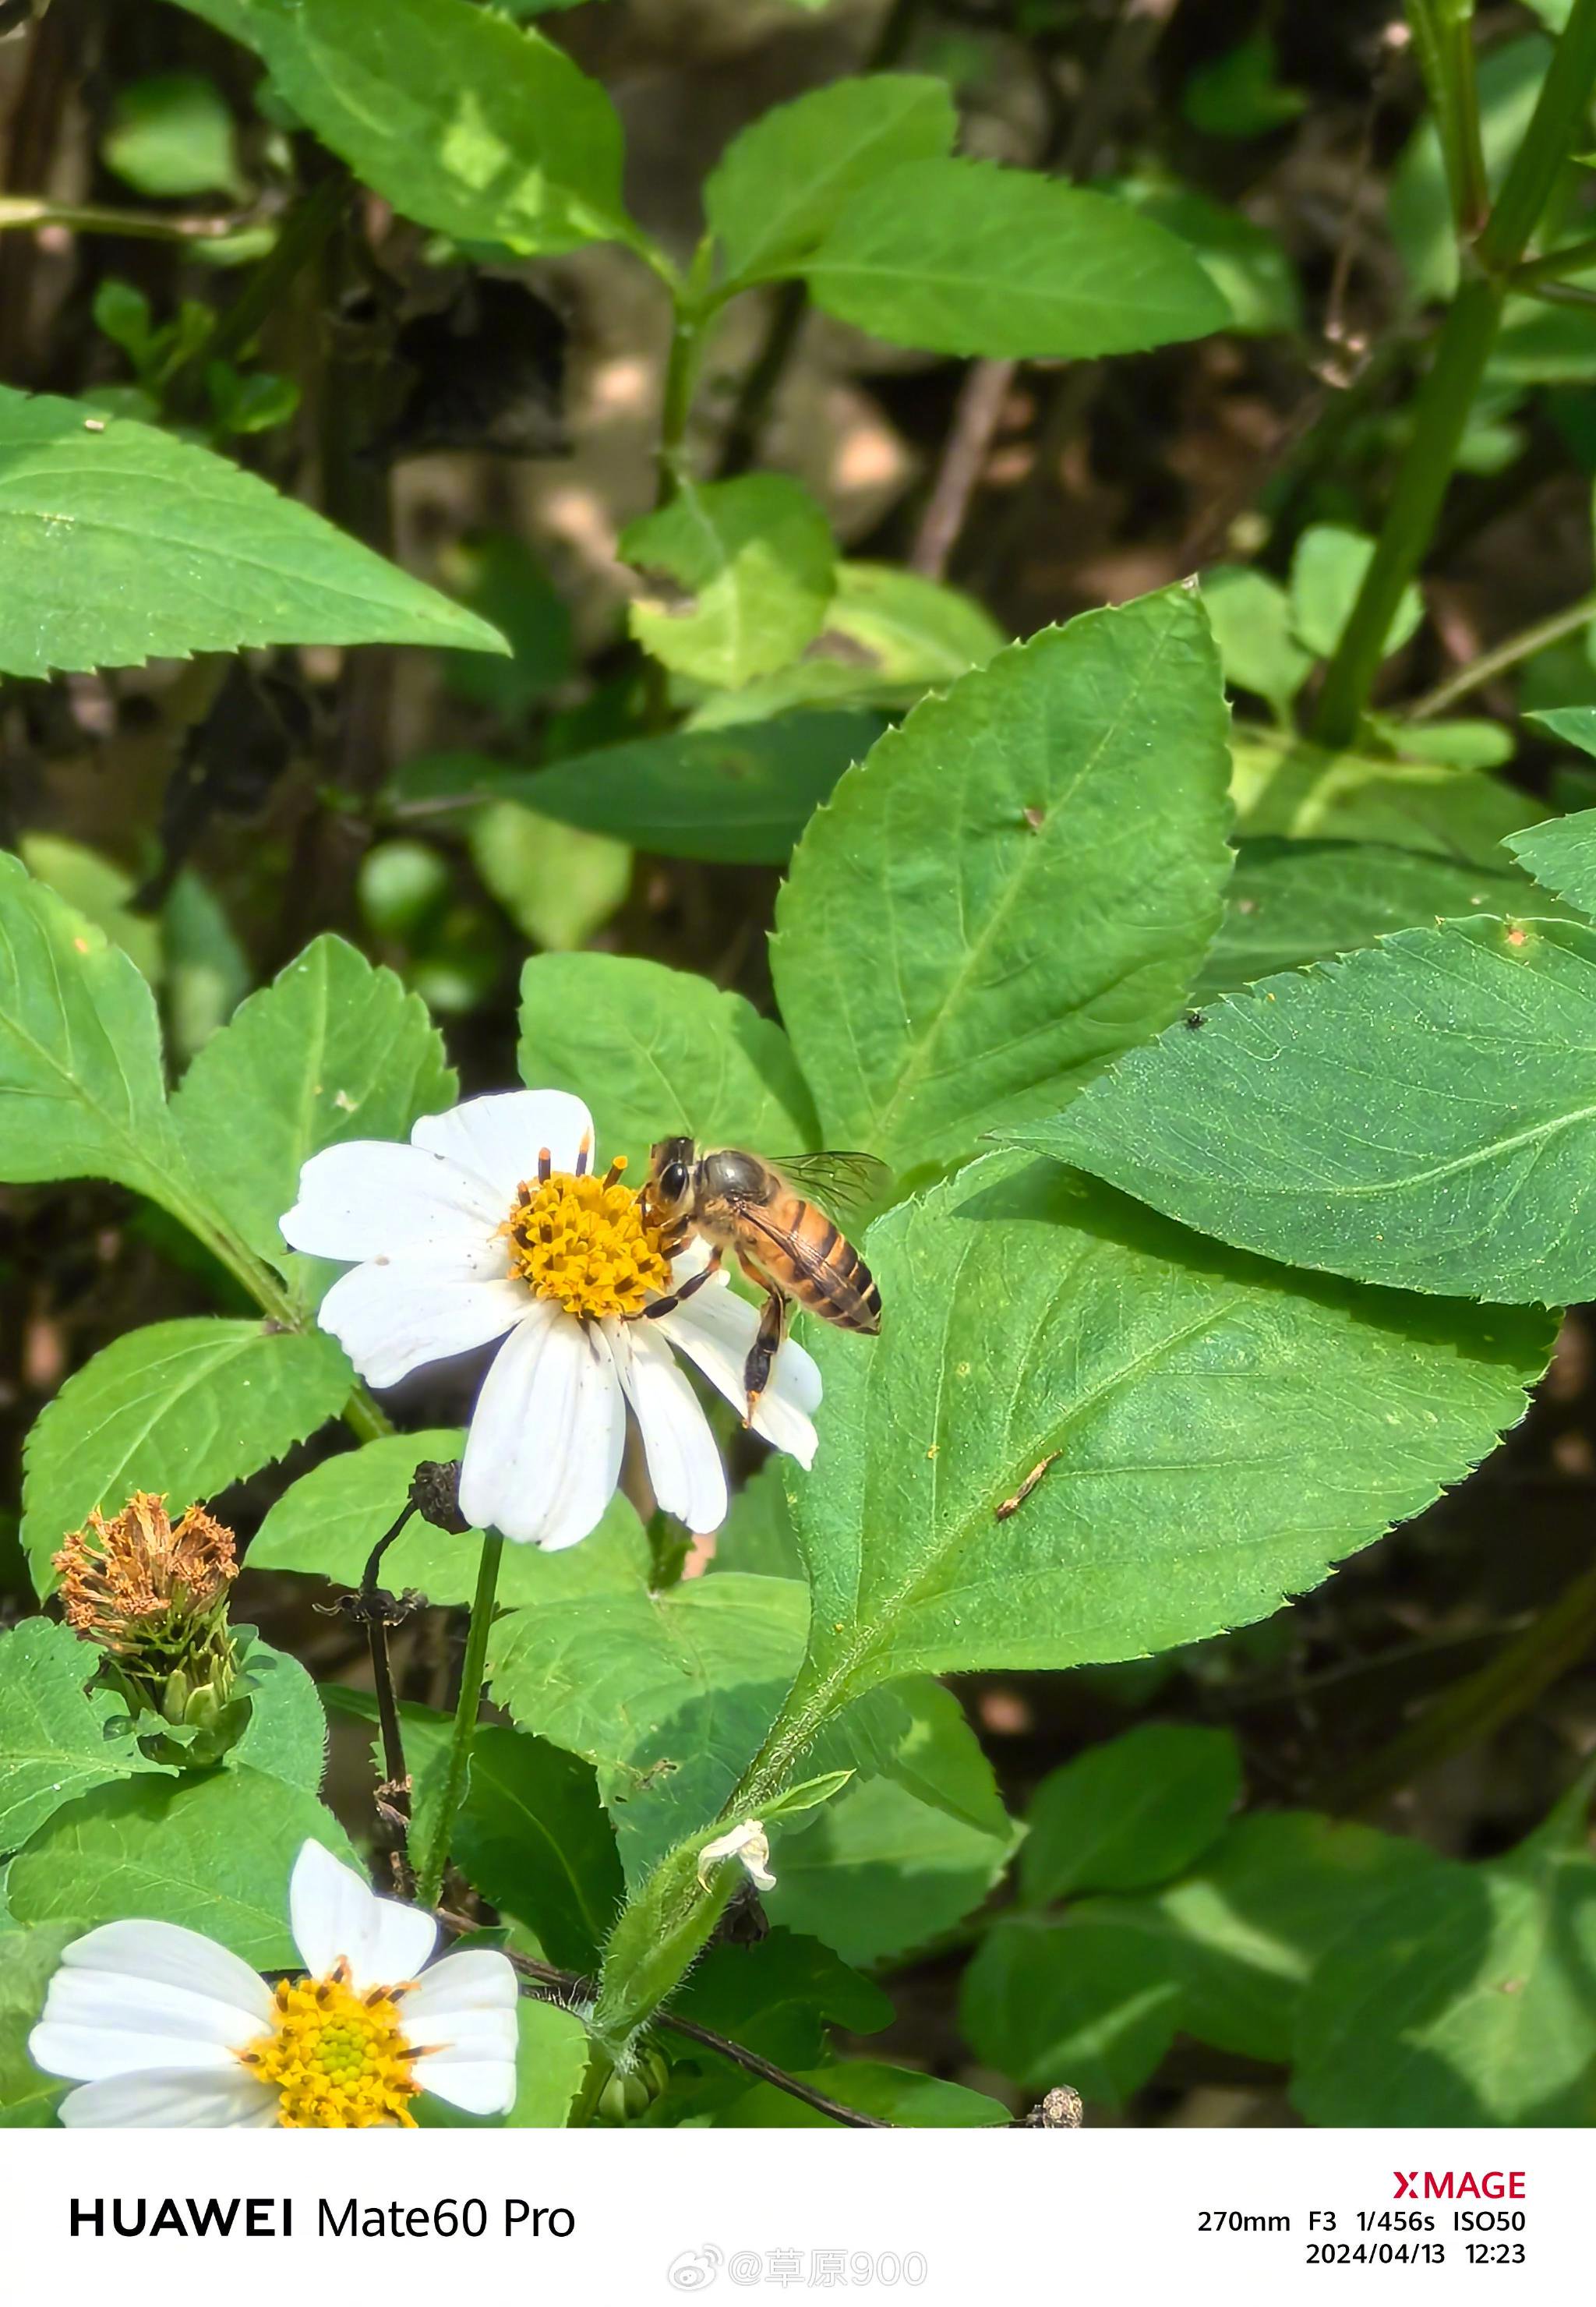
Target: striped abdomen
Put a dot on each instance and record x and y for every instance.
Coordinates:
(814, 1262)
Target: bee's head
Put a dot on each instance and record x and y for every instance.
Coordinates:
(671, 1165)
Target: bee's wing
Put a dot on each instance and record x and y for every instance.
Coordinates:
(840, 1182)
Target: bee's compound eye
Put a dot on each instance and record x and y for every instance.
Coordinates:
(672, 1181)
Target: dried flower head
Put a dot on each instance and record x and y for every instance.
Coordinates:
(139, 1581)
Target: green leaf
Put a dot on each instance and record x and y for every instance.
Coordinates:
(331, 1050)
(1223, 1431)
(1082, 1999)
(1241, 93)
(533, 1839)
(1472, 1985)
(28, 1963)
(211, 1852)
(889, 636)
(1328, 569)
(466, 122)
(558, 884)
(207, 972)
(897, 2095)
(81, 1088)
(667, 1695)
(499, 576)
(551, 2061)
(1419, 1114)
(776, 1998)
(1248, 265)
(122, 542)
(660, 1052)
(1251, 618)
(286, 1736)
(180, 1408)
(958, 256)
(56, 1740)
(737, 796)
(1291, 902)
(1131, 1812)
(1561, 854)
(749, 565)
(784, 181)
(171, 135)
(1096, 1994)
(756, 1534)
(326, 1523)
(898, 1858)
(1014, 887)
(99, 890)
(1283, 786)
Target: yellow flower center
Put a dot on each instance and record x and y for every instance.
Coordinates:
(585, 1243)
(338, 2061)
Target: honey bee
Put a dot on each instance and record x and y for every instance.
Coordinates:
(781, 1239)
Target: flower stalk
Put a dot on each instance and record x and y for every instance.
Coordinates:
(430, 1870)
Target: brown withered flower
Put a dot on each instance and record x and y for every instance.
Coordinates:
(129, 1583)
(153, 1595)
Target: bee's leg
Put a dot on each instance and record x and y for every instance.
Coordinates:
(668, 1304)
(767, 1345)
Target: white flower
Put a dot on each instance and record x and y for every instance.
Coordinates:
(491, 1220)
(166, 2030)
(751, 1844)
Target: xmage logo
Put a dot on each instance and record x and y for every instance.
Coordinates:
(1461, 2186)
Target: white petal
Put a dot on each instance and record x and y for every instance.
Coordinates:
(684, 1461)
(466, 2001)
(390, 1319)
(169, 2101)
(747, 1842)
(368, 1199)
(139, 1994)
(543, 1453)
(480, 2086)
(715, 1329)
(334, 1913)
(463, 2017)
(166, 1954)
(498, 1138)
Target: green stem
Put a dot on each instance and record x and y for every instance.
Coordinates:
(1447, 395)
(304, 230)
(19, 214)
(682, 376)
(1489, 662)
(1444, 40)
(429, 1873)
(1574, 256)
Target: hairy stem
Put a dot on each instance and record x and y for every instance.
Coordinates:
(1447, 395)
(429, 1872)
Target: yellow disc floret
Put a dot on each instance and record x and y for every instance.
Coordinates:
(338, 2061)
(586, 1243)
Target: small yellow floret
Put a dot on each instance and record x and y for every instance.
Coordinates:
(337, 2060)
(585, 1243)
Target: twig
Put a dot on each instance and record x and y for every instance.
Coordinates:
(979, 406)
(569, 1988)
(976, 417)
(376, 1627)
(1489, 662)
